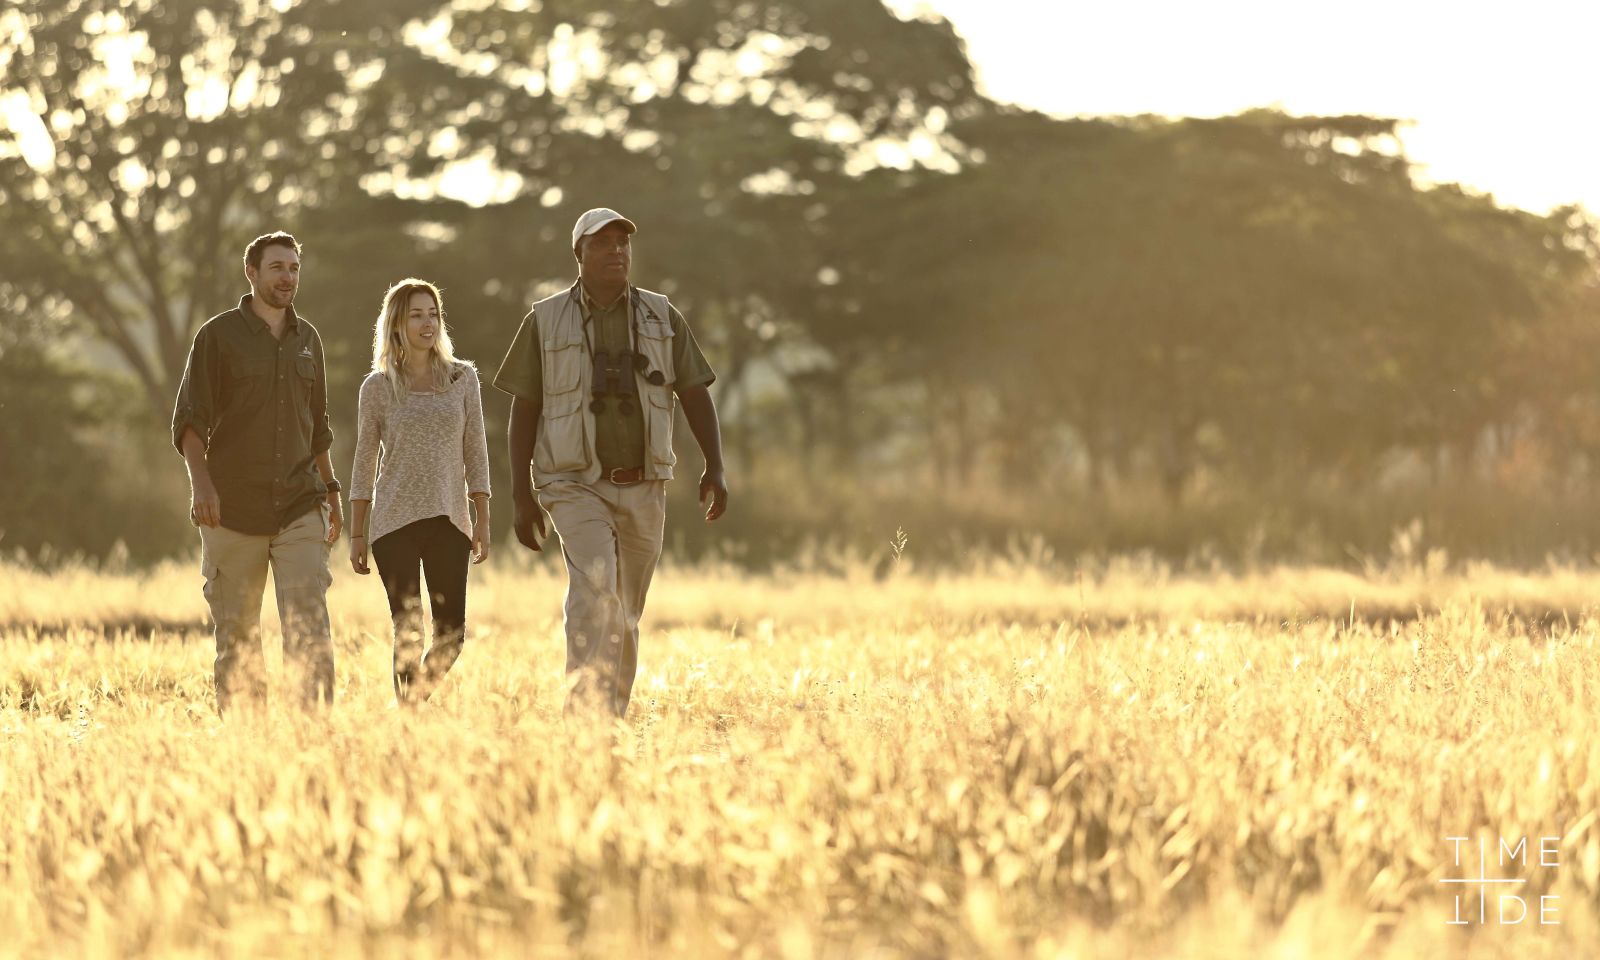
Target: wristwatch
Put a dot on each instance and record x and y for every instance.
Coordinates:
(332, 485)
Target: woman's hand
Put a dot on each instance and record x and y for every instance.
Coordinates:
(358, 554)
(480, 540)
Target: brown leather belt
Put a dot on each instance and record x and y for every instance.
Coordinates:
(624, 478)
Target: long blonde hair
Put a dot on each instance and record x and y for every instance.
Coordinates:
(389, 338)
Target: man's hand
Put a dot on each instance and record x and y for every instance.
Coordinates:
(205, 507)
(526, 517)
(358, 554)
(335, 519)
(701, 412)
(714, 484)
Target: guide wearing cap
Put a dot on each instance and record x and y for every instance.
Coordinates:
(596, 373)
(607, 399)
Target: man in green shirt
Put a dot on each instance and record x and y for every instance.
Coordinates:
(251, 421)
(595, 373)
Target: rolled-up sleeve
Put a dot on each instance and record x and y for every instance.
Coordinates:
(321, 429)
(474, 441)
(197, 404)
(522, 371)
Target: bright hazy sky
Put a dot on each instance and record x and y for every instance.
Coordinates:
(1504, 96)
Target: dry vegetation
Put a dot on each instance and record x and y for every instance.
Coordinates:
(1122, 761)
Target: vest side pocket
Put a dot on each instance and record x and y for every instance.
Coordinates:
(659, 427)
(560, 448)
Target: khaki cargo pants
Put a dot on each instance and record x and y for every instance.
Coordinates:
(235, 567)
(611, 539)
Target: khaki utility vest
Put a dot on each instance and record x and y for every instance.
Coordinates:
(565, 448)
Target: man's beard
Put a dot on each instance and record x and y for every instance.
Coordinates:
(276, 299)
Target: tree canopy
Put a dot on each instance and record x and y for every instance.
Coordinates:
(889, 271)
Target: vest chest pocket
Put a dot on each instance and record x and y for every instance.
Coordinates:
(563, 365)
(655, 342)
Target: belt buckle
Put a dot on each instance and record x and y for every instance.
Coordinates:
(612, 476)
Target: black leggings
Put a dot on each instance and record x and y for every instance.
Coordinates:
(442, 552)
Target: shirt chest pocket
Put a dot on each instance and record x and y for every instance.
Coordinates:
(563, 364)
(249, 380)
(305, 376)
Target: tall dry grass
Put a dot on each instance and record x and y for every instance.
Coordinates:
(1008, 762)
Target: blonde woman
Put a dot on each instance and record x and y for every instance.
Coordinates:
(420, 456)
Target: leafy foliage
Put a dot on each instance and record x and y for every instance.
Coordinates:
(889, 272)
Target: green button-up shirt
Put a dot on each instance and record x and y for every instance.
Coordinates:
(619, 424)
(260, 405)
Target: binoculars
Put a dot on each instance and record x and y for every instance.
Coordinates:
(613, 376)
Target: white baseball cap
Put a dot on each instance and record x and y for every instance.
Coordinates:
(593, 220)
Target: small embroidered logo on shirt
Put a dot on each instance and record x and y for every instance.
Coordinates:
(305, 352)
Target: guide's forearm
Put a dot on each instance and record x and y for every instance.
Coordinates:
(194, 457)
(701, 412)
(521, 436)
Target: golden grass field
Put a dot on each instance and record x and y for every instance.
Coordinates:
(1126, 761)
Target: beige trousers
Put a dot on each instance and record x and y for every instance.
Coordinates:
(235, 567)
(611, 539)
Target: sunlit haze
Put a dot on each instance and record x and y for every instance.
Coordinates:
(1500, 96)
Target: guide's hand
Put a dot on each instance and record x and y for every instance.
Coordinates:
(526, 518)
(714, 485)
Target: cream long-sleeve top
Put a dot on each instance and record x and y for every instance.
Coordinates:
(422, 456)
